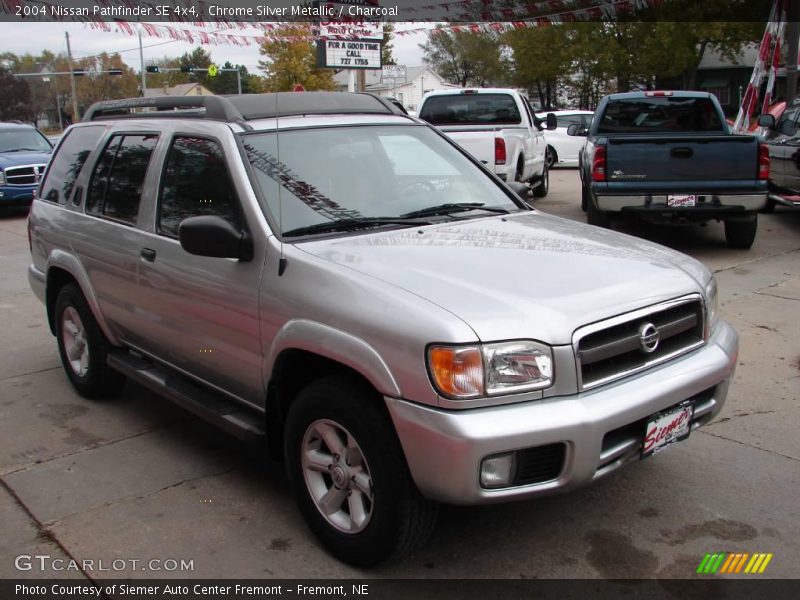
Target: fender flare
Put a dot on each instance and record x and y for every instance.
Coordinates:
(70, 263)
(336, 345)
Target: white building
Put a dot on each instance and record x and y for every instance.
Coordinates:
(408, 90)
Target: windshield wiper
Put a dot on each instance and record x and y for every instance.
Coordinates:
(352, 224)
(24, 150)
(453, 207)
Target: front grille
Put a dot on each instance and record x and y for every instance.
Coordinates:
(27, 175)
(615, 348)
(540, 464)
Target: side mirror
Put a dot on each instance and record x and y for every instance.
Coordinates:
(551, 122)
(767, 121)
(520, 189)
(215, 237)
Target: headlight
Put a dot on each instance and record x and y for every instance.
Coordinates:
(712, 308)
(463, 372)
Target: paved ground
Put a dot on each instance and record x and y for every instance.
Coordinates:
(135, 478)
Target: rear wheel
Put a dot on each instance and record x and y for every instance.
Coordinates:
(349, 474)
(540, 191)
(83, 347)
(769, 206)
(584, 197)
(594, 216)
(741, 234)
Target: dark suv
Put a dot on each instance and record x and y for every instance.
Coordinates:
(24, 152)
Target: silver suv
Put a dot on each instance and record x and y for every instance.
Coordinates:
(324, 275)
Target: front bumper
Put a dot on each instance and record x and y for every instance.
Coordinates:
(16, 195)
(444, 449)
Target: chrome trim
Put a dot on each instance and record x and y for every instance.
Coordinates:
(582, 332)
(37, 174)
(618, 450)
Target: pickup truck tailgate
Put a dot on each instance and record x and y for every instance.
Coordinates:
(476, 140)
(682, 158)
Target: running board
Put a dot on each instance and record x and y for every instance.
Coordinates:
(207, 404)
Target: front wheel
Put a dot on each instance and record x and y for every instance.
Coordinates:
(551, 157)
(349, 474)
(540, 191)
(741, 234)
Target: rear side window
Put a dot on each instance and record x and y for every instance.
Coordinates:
(68, 162)
(660, 114)
(196, 183)
(115, 190)
(471, 109)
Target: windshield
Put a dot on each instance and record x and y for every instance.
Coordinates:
(366, 172)
(23, 139)
(471, 109)
(660, 114)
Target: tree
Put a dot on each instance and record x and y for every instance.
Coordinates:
(15, 97)
(291, 59)
(465, 58)
(225, 82)
(386, 48)
(542, 57)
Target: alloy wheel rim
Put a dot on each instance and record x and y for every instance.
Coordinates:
(75, 344)
(337, 476)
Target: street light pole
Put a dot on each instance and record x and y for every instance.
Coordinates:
(239, 81)
(76, 115)
(141, 58)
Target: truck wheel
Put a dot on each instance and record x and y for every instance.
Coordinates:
(741, 234)
(349, 475)
(540, 191)
(551, 157)
(594, 215)
(584, 197)
(769, 206)
(83, 347)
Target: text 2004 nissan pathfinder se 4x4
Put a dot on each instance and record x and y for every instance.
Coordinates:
(340, 281)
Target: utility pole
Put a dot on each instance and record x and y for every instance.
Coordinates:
(76, 115)
(239, 81)
(141, 58)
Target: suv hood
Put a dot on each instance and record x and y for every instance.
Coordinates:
(521, 276)
(15, 159)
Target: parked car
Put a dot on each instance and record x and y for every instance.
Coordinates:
(783, 140)
(24, 152)
(669, 157)
(562, 148)
(369, 303)
(497, 127)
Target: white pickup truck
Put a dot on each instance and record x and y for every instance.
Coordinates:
(496, 126)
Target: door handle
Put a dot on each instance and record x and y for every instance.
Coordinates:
(148, 254)
(681, 152)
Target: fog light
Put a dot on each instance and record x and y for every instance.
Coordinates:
(497, 471)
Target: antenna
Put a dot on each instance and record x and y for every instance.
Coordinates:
(282, 259)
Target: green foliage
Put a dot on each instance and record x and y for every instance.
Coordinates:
(15, 98)
(293, 61)
(386, 48)
(466, 58)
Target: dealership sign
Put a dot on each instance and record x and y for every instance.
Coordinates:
(352, 37)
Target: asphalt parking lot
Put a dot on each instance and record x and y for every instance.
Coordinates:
(136, 479)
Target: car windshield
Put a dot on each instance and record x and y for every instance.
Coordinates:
(471, 109)
(23, 139)
(660, 114)
(354, 174)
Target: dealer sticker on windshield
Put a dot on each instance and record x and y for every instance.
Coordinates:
(667, 427)
(681, 200)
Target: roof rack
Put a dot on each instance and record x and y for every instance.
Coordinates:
(233, 109)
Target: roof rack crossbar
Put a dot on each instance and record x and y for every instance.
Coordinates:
(216, 107)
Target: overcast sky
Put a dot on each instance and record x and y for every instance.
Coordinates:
(23, 38)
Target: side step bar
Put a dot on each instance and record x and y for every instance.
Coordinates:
(203, 402)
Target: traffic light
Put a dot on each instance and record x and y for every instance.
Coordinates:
(115, 71)
(152, 68)
(78, 72)
(187, 69)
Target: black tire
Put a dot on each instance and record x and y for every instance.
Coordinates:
(550, 157)
(98, 379)
(540, 190)
(769, 206)
(520, 169)
(584, 197)
(399, 518)
(741, 234)
(595, 216)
